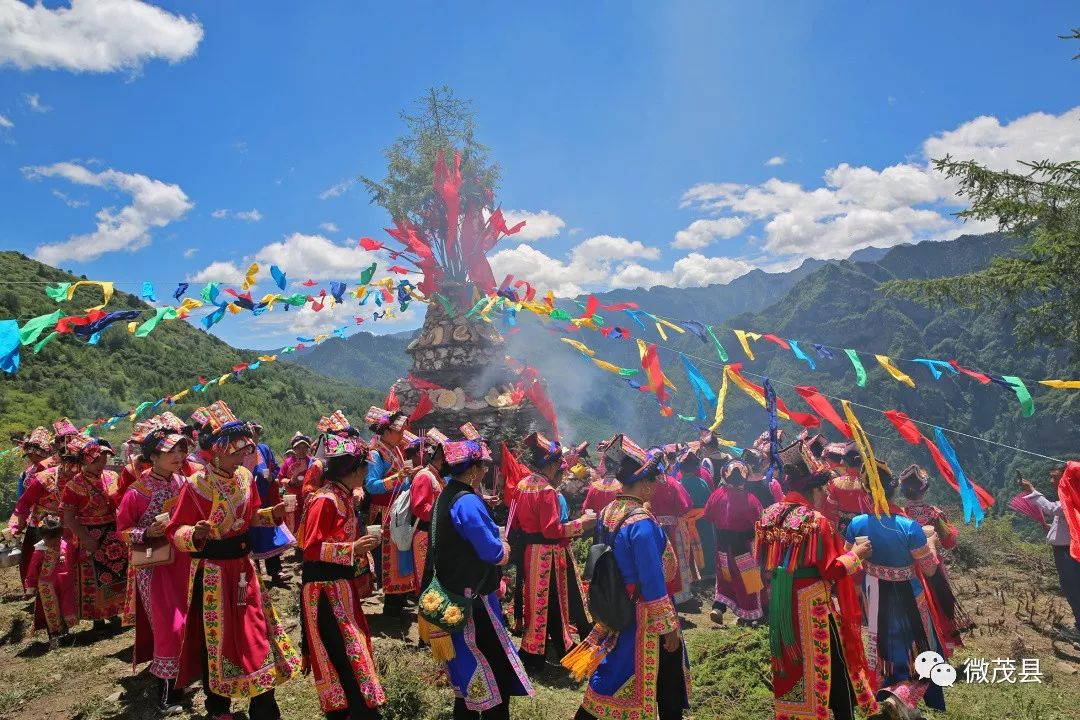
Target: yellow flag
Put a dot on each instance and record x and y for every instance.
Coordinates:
(221, 380)
(604, 365)
(181, 394)
(671, 325)
(106, 291)
(267, 358)
(189, 304)
(862, 441)
(721, 398)
(249, 276)
(1062, 384)
(234, 308)
(746, 388)
(132, 326)
(742, 335)
(886, 362)
(579, 346)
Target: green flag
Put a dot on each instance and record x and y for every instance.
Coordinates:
(32, 330)
(860, 371)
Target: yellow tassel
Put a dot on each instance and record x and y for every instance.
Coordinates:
(442, 647)
(583, 660)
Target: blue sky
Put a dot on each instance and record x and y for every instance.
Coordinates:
(217, 132)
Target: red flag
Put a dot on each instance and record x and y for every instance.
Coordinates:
(971, 373)
(804, 419)
(650, 363)
(778, 340)
(513, 472)
(391, 402)
(423, 408)
(907, 430)
(447, 185)
(370, 244)
(238, 368)
(359, 320)
(533, 389)
(398, 269)
(309, 283)
(824, 408)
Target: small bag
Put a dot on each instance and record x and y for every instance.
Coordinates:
(158, 551)
(608, 602)
(442, 608)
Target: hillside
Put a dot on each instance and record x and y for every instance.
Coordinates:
(84, 383)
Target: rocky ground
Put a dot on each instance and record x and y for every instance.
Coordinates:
(1011, 594)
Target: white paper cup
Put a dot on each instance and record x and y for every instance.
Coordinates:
(374, 530)
(162, 518)
(859, 538)
(290, 502)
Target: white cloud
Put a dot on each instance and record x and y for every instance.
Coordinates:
(776, 160)
(304, 322)
(301, 257)
(329, 227)
(859, 206)
(245, 215)
(218, 271)
(190, 252)
(336, 190)
(33, 102)
(694, 270)
(538, 225)
(5, 123)
(702, 233)
(154, 204)
(93, 35)
(70, 202)
(588, 265)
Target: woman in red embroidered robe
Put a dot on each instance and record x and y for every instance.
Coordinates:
(671, 504)
(641, 672)
(386, 472)
(90, 513)
(51, 576)
(233, 637)
(818, 663)
(846, 496)
(552, 586)
(734, 512)
(156, 595)
(600, 493)
(426, 486)
(37, 450)
(337, 576)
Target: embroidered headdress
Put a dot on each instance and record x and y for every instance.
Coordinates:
(464, 454)
(914, 481)
(379, 420)
(542, 451)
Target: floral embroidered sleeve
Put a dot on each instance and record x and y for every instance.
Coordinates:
(947, 532)
(181, 528)
(921, 552)
(132, 507)
(32, 493)
(324, 539)
(74, 495)
(646, 545)
(834, 562)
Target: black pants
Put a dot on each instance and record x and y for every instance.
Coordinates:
(260, 707)
(1069, 575)
(670, 688)
(330, 634)
(273, 566)
(841, 693)
(575, 611)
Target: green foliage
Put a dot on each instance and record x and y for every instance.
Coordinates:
(440, 121)
(731, 673)
(84, 383)
(1041, 281)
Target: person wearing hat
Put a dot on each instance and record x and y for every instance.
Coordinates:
(671, 504)
(294, 469)
(268, 544)
(232, 638)
(551, 591)
(156, 594)
(601, 491)
(766, 491)
(52, 577)
(426, 486)
(641, 671)
(698, 529)
(337, 576)
(734, 512)
(847, 497)
(467, 555)
(903, 620)
(89, 511)
(38, 452)
(41, 498)
(386, 473)
(815, 628)
(914, 482)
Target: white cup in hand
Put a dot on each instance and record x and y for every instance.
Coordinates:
(162, 518)
(290, 502)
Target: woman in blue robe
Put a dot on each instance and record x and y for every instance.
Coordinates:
(641, 672)
(467, 554)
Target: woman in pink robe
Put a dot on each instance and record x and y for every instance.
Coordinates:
(670, 504)
(232, 637)
(156, 595)
(734, 512)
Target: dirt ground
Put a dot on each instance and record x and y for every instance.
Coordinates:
(1014, 605)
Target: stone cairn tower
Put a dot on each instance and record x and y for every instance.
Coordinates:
(460, 364)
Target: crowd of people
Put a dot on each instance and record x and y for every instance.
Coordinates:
(173, 533)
